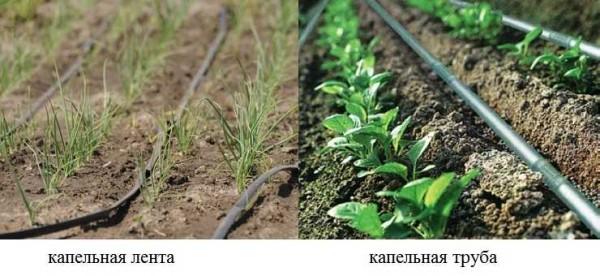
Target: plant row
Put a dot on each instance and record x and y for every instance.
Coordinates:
(568, 68)
(73, 130)
(371, 137)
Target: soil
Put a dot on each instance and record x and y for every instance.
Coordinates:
(508, 201)
(200, 188)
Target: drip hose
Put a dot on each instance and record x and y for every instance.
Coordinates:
(587, 212)
(247, 199)
(316, 14)
(561, 39)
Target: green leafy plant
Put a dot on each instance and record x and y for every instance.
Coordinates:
(370, 136)
(475, 22)
(570, 67)
(359, 91)
(376, 149)
(521, 49)
(422, 208)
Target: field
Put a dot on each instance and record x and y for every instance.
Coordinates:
(507, 200)
(131, 117)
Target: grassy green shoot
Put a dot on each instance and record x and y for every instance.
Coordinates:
(16, 65)
(25, 50)
(156, 183)
(146, 49)
(73, 132)
(31, 210)
(8, 141)
(246, 137)
(20, 9)
(187, 129)
(12, 140)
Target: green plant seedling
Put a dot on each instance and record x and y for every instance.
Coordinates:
(156, 183)
(477, 22)
(422, 208)
(73, 132)
(439, 8)
(521, 49)
(186, 130)
(31, 210)
(360, 90)
(8, 141)
(569, 68)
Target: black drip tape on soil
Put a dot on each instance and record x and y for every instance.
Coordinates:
(247, 198)
(103, 217)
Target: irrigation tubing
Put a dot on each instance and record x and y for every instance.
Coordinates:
(246, 199)
(561, 39)
(312, 22)
(110, 212)
(587, 212)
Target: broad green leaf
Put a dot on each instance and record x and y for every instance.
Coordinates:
(332, 87)
(415, 190)
(362, 174)
(437, 189)
(546, 58)
(468, 177)
(363, 217)
(369, 130)
(448, 201)
(398, 132)
(381, 78)
(533, 35)
(368, 222)
(418, 149)
(393, 168)
(338, 123)
(427, 168)
(389, 117)
(348, 210)
(357, 111)
(574, 73)
(342, 142)
(508, 47)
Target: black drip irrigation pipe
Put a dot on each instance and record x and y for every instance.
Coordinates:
(312, 22)
(73, 69)
(561, 39)
(246, 199)
(110, 212)
(587, 212)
